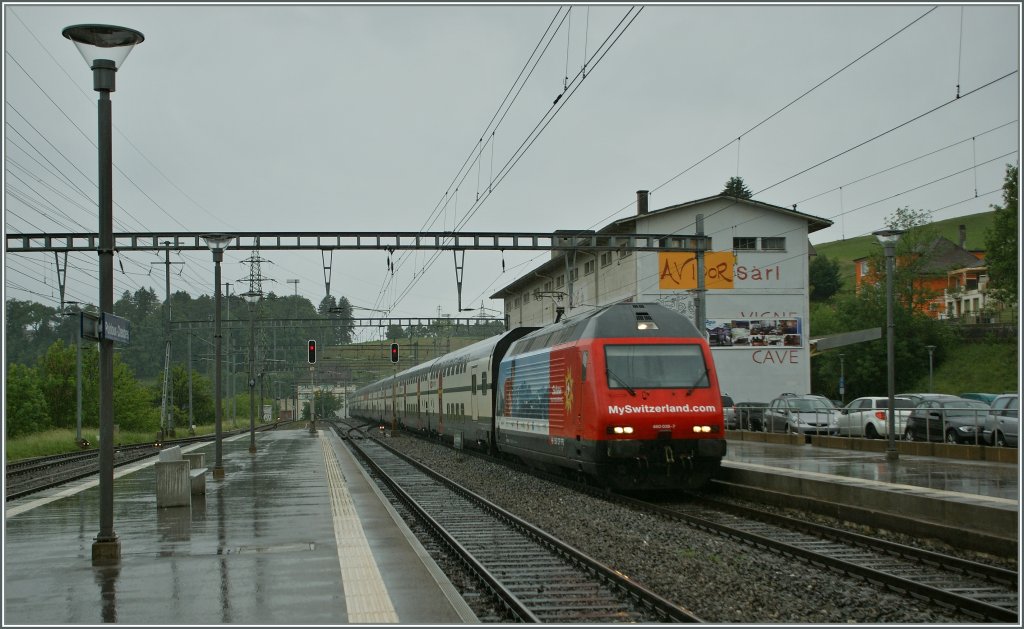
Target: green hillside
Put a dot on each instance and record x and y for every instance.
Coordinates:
(846, 251)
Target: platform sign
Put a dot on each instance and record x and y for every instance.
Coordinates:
(89, 325)
(115, 328)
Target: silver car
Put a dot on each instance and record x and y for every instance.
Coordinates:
(869, 417)
(801, 414)
(1002, 421)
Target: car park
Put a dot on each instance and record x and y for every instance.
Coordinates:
(1002, 421)
(869, 416)
(800, 414)
(946, 418)
(751, 415)
(729, 411)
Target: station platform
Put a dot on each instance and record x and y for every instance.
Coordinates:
(971, 502)
(295, 534)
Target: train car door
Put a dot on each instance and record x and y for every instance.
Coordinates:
(440, 401)
(473, 394)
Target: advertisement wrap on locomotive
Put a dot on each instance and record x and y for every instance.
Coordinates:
(626, 395)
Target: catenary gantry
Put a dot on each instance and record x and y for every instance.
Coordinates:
(560, 240)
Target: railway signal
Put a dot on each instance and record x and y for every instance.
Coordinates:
(312, 351)
(394, 352)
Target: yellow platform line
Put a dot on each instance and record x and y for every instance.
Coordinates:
(366, 597)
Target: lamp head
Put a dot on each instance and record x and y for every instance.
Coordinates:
(251, 297)
(103, 42)
(888, 237)
(217, 242)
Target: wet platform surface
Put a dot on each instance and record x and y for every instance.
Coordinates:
(978, 478)
(293, 535)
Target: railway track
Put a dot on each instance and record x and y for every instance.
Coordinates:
(989, 593)
(537, 577)
(29, 476)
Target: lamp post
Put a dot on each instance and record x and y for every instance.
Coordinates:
(842, 380)
(252, 298)
(930, 348)
(105, 48)
(217, 244)
(888, 238)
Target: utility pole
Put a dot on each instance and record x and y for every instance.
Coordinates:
(167, 412)
(231, 360)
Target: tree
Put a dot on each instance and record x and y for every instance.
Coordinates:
(202, 397)
(25, 408)
(29, 329)
(736, 188)
(1001, 244)
(823, 275)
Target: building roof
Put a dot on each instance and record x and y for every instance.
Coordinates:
(627, 225)
(814, 223)
(942, 255)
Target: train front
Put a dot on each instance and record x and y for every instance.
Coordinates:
(651, 408)
(657, 419)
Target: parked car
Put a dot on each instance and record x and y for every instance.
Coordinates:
(1002, 421)
(869, 416)
(987, 398)
(751, 415)
(729, 410)
(947, 418)
(801, 414)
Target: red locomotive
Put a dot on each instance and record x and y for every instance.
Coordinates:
(626, 395)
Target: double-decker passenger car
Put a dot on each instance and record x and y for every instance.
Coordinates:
(626, 395)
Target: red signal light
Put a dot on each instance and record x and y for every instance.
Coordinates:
(394, 352)
(312, 352)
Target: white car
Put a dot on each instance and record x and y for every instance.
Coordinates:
(1002, 422)
(869, 416)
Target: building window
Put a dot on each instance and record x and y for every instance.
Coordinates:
(526, 298)
(574, 274)
(775, 243)
(560, 281)
(547, 286)
(588, 267)
(744, 244)
(864, 267)
(515, 304)
(606, 258)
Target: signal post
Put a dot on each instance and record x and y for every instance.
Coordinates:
(394, 386)
(311, 358)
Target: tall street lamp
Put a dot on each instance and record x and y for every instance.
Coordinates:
(217, 244)
(888, 238)
(105, 48)
(842, 379)
(930, 348)
(252, 298)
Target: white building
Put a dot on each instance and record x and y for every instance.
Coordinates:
(757, 298)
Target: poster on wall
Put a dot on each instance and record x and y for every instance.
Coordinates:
(747, 333)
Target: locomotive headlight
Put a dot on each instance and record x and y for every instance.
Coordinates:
(620, 430)
(702, 429)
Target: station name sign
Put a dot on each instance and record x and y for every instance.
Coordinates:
(105, 326)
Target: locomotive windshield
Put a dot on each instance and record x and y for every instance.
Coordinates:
(655, 367)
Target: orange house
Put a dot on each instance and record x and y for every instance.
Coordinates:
(941, 255)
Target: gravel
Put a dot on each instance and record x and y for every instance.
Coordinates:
(718, 579)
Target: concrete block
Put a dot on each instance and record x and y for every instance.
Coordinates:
(170, 454)
(173, 483)
(198, 480)
(196, 459)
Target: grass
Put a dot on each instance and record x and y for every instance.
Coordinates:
(962, 372)
(62, 440)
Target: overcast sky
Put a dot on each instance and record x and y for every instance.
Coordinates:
(274, 118)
